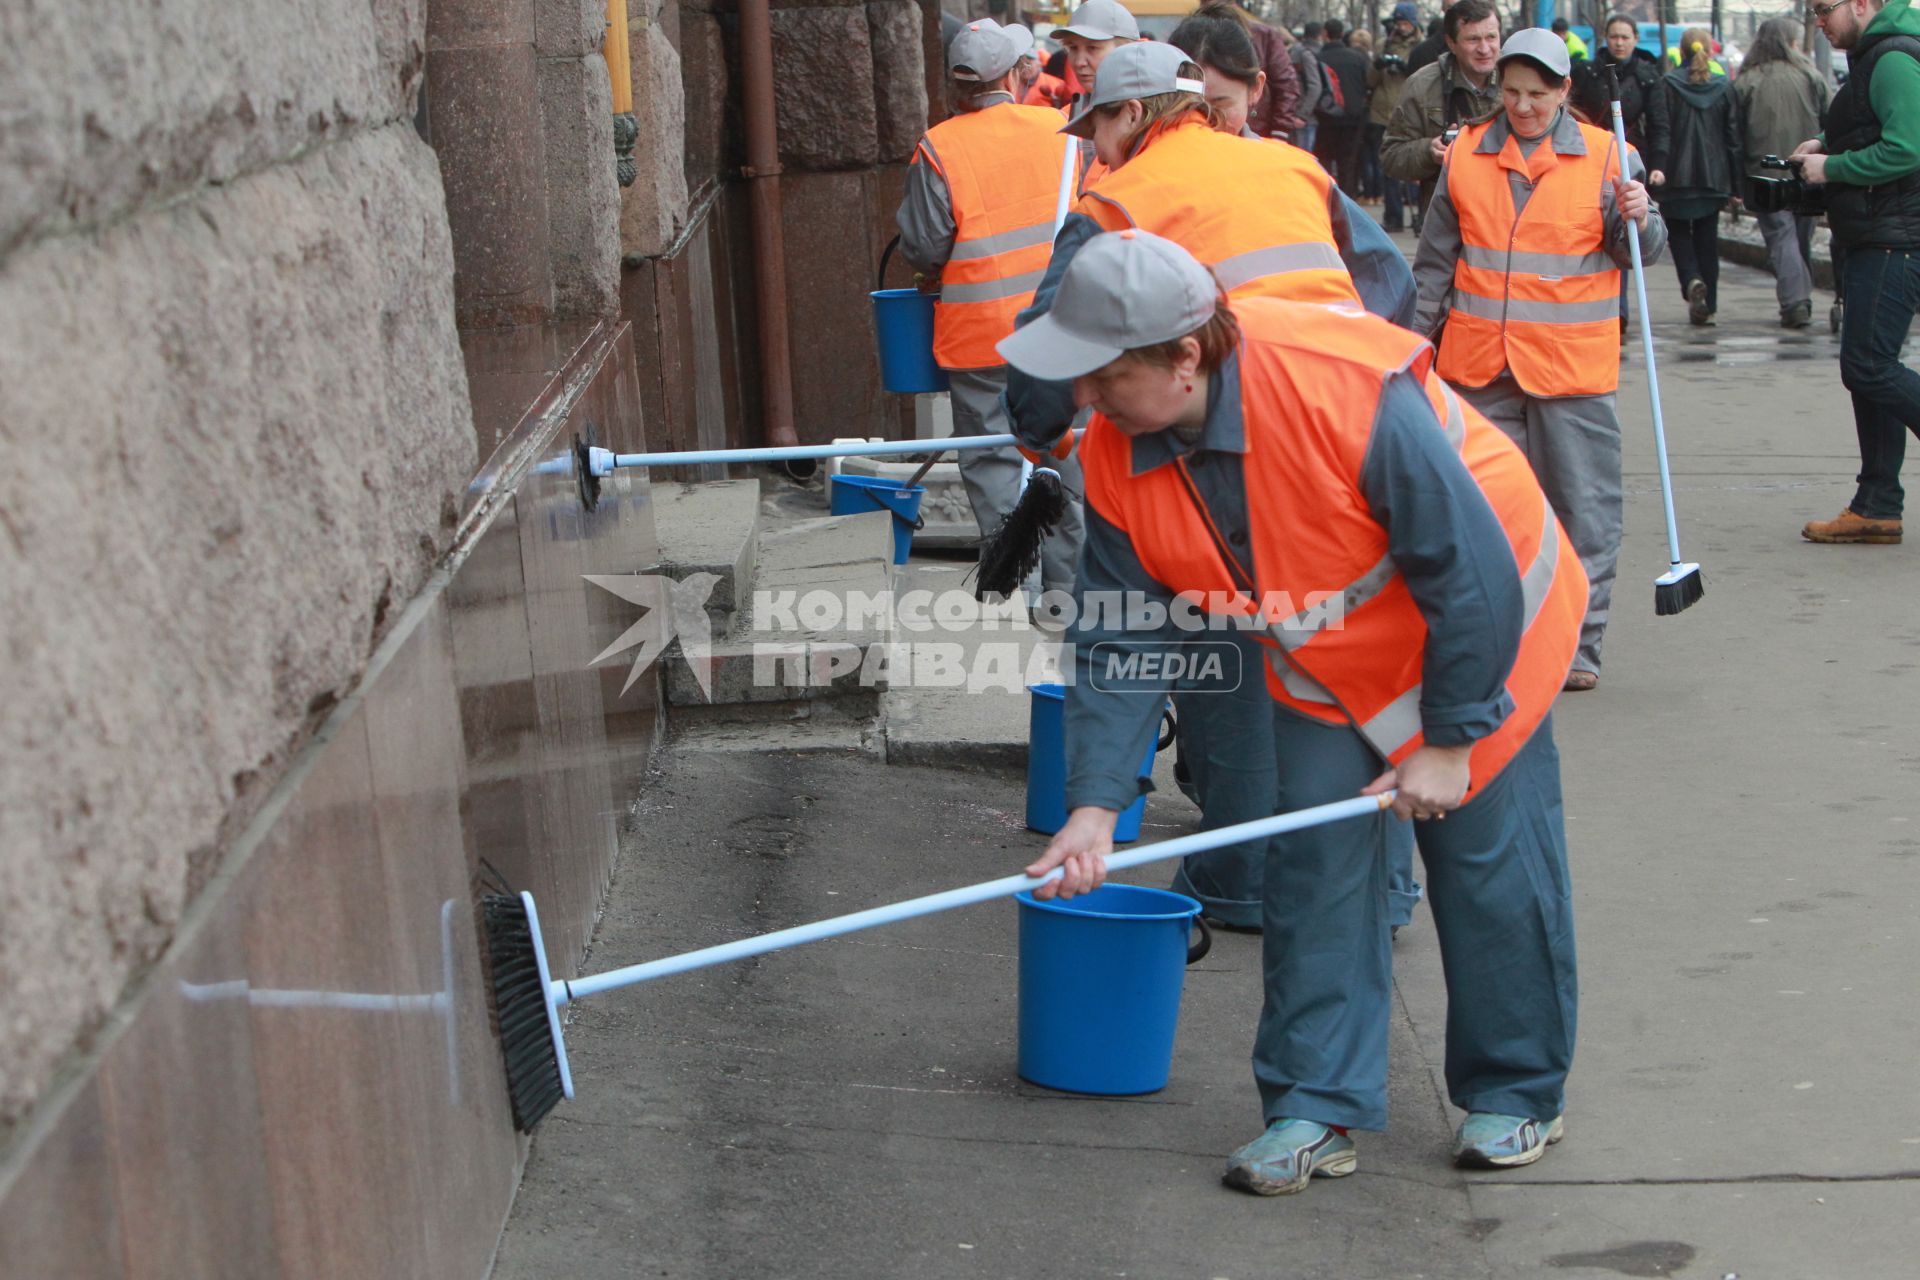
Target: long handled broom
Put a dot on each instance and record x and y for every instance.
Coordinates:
(528, 999)
(1681, 585)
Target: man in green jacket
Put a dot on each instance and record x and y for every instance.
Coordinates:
(1869, 159)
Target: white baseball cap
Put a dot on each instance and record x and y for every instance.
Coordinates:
(1102, 20)
(1541, 46)
(1123, 290)
(1138, 70)
(982, 50)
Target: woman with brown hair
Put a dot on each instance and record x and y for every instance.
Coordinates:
(1703, 157)
(1247, 454)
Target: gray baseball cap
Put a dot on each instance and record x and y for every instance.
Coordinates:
(1022, 36)
(1540, 45)
(1102, 20)
(1138, 70)
(1124, 289)
(981, 51)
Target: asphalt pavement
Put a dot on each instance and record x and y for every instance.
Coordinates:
(1743, 797)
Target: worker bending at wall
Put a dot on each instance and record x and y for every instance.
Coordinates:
(1248, 455)
(977, 218)
(1519, 270)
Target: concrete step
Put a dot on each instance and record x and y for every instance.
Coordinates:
(818, 608)
(710, 528)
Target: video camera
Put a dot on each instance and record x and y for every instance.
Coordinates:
(1791, 194)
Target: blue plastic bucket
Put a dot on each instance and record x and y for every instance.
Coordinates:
(1047, 767)
(1100, 983)
(850, 495)
(903, 321)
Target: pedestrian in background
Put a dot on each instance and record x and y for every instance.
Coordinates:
(1782, 99)
(1576, 47)
(1643, 104)
(977, 221)
(1274, 114)
(1703, 156)
(1343, 108)
(1428, 51)
(1457, 89)
(1387, 79)
(1302, 52)
(1527, 302)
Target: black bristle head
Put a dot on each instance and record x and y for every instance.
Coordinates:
(1673, 597)
(520, 1003)
(1010, 553)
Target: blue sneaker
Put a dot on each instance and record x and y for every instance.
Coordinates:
(1279, 1161)
(1489, 1141)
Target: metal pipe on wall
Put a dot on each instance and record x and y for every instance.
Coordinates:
(769, 240)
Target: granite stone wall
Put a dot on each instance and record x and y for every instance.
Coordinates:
(234, 431)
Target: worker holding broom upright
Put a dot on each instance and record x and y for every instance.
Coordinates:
(1250, 457)
(1266, 216)
(1519, 260)
(982, 195)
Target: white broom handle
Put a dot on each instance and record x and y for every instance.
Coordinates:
(1005, 887)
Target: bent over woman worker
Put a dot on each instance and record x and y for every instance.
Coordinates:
(1519, 260)
(979, 208)
(1242, 457)
(1226, 735)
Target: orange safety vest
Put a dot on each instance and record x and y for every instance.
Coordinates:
(1537, 294)
(1046, 91)
(1002, 169)
(1344, 639)
(1254, 212)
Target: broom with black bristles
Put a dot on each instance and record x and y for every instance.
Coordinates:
(527, 1000)
(1681, 585)
(1011, 552)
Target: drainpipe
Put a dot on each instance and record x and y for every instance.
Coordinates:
(769, 241)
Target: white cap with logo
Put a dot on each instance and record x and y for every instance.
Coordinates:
(1123, 290)
(1134, 71)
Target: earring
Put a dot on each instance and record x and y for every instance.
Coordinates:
(1189, 388)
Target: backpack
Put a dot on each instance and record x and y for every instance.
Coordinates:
(1333, 98)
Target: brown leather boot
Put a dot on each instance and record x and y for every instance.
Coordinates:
(1848, 527)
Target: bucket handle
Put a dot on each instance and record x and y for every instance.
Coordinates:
(1169, 729)
(1197, 951)
(916, 523)
(886, 254)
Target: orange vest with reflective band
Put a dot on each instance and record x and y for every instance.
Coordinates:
(1254, 212)
(1002, 168)
(1345, 640)
(1537, 294)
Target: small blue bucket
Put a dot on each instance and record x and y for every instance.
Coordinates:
(903, 321)
(851, 495)
(1047, 767)
(1100, 983)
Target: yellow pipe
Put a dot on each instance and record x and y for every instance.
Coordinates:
(619, 65)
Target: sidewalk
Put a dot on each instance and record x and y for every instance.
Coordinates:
(1744, 806)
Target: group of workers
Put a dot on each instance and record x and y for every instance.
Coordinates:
(1278, 411)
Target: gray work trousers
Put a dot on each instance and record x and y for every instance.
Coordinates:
(1787, 235)
(992, 476)
(1573, 443)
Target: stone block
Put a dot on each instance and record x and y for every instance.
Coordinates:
(654, 209)
(569, 28)
(237, 433)
(710, 528)
(829, 225)
(823, 88)
(707, 110)
(899, 76)
(475, 24)
(107, 113)
(583, 192)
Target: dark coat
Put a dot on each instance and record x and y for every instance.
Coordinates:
(1351, 66)
(1706, 155)
(1428, 50)
(1276, 112)
(1643, 102)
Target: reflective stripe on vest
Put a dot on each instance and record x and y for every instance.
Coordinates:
(1002, 170)
(1310, 380)
(1537, 294)
(1255, 211)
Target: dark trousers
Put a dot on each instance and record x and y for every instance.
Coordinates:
(1338, 148)
(1695, 246)
(1882, 288)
